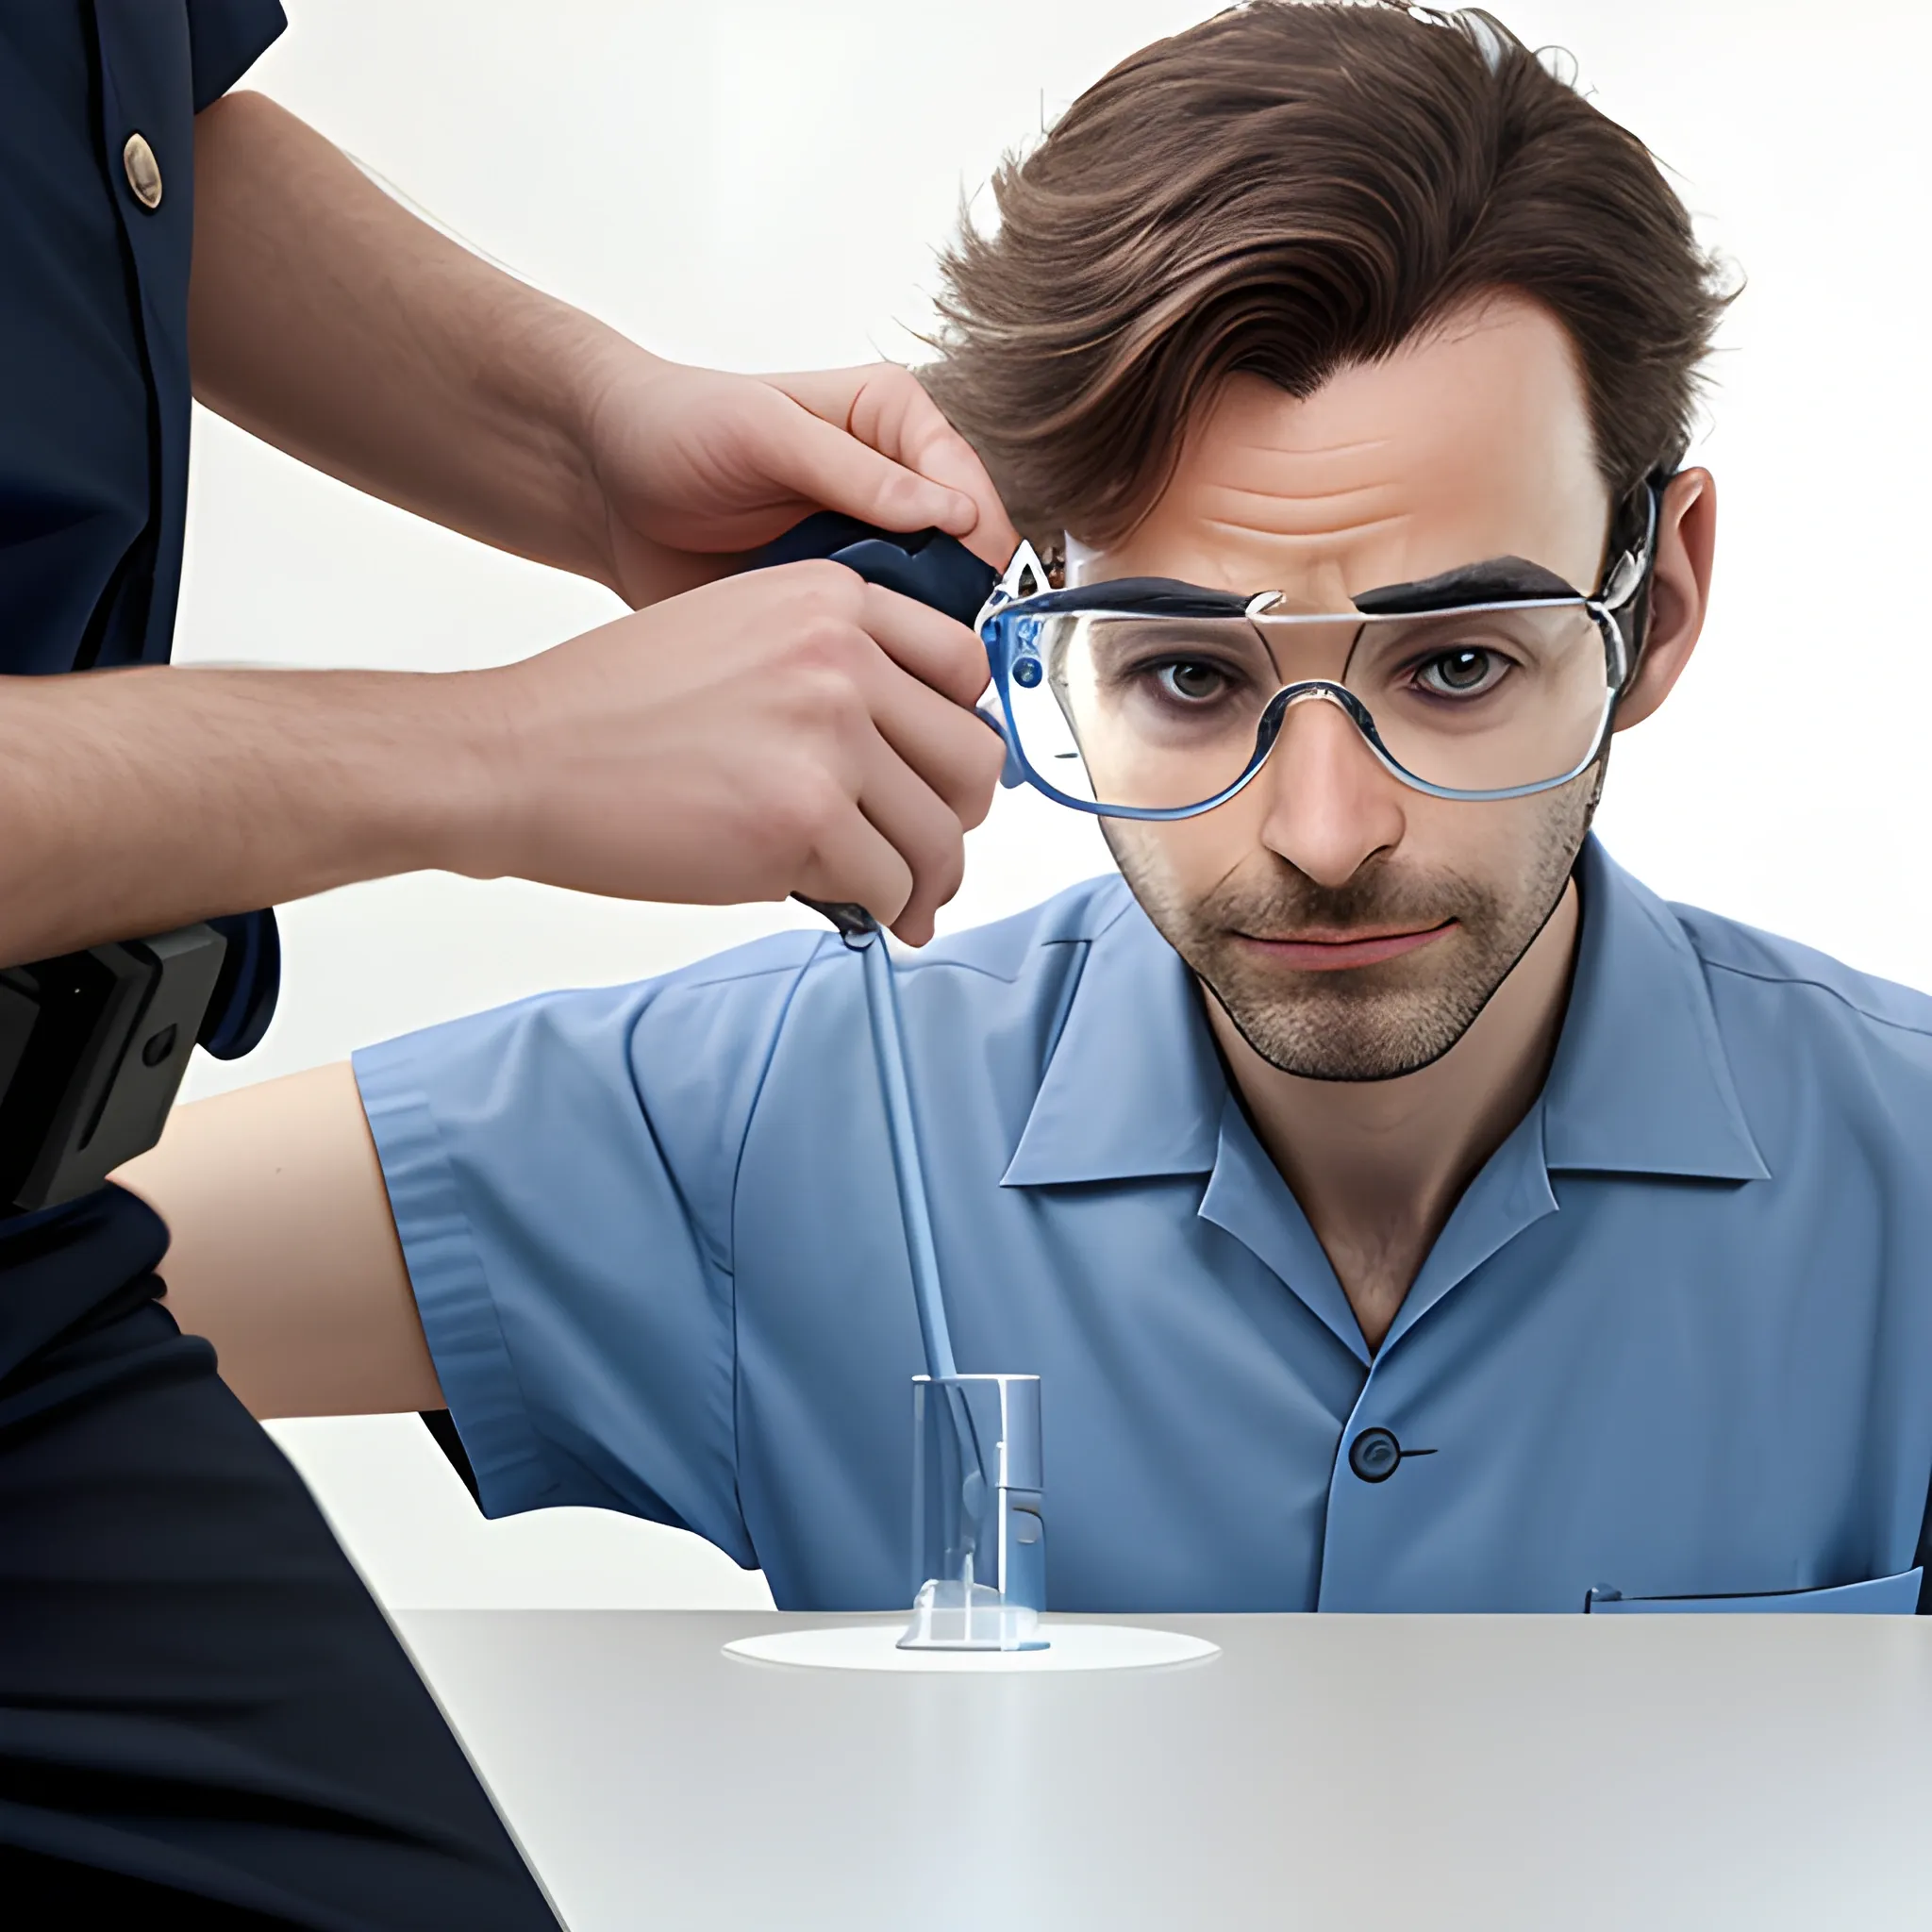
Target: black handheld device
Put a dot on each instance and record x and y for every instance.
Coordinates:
(927, 565)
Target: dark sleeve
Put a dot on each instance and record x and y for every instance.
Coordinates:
(228, 38)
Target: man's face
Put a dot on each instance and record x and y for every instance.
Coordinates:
(1353, 929)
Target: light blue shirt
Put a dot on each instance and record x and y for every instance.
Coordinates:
(1675, 1341)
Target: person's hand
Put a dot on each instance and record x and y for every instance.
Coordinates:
(789, 731)
(697, 468)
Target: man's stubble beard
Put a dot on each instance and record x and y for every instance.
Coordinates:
(1367, 1022)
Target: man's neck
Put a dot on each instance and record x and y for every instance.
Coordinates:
(1378, 1166)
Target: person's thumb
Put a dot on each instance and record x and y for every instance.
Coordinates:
(830, 467)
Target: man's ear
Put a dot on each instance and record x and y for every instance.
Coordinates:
(1679, 592)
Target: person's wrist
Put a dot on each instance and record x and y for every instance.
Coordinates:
(610, 376)
(462, 813)
(547, 379)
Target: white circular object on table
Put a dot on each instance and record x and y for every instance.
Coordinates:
(1071, 1647)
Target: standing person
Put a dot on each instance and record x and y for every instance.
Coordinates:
(200, 1706)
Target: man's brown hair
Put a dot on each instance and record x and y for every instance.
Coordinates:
(1287, 189)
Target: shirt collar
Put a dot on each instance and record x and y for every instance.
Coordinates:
(1641, 1083)
(1134, 1086)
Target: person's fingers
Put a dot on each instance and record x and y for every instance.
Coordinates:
(922, 829)
(915, 670)
(926, 642)
(893, 413)
(905, 668)
(887, 408)
(852, 862)
(947, 746)
(748, 738)
(837, 691)
(824, 464)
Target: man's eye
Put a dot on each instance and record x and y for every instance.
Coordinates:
(1192, 681)
(1460, 674)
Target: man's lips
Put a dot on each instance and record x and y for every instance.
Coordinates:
(1331, 953)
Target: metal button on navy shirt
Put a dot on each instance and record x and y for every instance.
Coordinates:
(143, 171)
(94, 401)
(1374, 1455)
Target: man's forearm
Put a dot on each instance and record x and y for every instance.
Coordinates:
(330, 321)
(135, 801)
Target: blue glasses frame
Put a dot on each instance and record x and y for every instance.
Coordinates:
(1009, 621)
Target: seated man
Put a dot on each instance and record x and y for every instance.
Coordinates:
(1405, 1210)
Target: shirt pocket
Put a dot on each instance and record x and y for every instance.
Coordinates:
(1882, 1596)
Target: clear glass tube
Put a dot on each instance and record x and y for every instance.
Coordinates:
(979, 1528)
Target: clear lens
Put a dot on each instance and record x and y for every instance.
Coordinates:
(1161, 713)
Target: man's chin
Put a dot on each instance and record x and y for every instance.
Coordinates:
(1357, 1041)
(1374, 1022)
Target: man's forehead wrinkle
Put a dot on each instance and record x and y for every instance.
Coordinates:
(1270, 470)
(1310, 539)
(1274, 492)
(1334, 511)
(1281, 442)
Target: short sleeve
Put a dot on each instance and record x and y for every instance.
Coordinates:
(561, 1174)
(228, 38)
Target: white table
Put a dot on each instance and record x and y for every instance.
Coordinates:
(1555, 1774)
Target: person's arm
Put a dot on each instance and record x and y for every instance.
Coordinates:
(565, 1176)
(790, 730)
(330, 321)
(794, 732)
(283, 1252)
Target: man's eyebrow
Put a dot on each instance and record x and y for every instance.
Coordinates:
(1493, 580)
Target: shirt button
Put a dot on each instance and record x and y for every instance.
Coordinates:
(143, 171)
(1374, 1455)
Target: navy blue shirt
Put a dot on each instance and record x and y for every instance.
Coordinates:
(95, 398)
(1673, 1346)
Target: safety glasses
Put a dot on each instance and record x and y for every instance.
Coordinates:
(1147, 698)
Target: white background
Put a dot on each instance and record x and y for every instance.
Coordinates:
(761, 184)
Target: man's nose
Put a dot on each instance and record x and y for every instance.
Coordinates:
(1331, 807)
